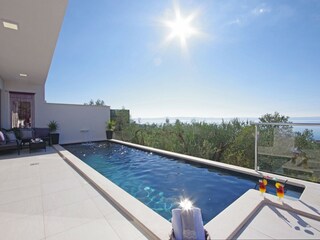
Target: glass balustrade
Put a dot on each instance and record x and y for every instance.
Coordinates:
(290, 149)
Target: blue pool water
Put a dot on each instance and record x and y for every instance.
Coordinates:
(161, 182)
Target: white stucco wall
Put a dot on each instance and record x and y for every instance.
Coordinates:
(77, 123)
(72, 118)
(1, 101)
(1, 83)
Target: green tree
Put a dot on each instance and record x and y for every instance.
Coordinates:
(266, 132)
(241, 151)
(98, 102)
(122, 118)
(273, 118)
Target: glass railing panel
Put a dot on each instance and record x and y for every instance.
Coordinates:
(292, 150)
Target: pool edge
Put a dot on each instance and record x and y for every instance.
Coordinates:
(142, 216)
(246, 207)
(213, 226)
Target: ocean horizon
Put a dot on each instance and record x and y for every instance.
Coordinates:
(160, 120)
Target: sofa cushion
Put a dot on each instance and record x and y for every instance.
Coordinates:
(11, 137)
(26, 133)
(41, 133)
(2, 138)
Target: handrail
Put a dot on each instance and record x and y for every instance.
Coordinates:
(288, 124)
(256, 147)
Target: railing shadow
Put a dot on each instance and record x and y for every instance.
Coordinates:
(310, 207)
(302, 225)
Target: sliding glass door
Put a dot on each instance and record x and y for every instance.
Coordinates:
(22, 110)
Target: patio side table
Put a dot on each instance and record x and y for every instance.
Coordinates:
(33, 145)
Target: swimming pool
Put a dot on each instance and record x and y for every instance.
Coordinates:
(161, 182)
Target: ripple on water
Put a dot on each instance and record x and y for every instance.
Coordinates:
(161, 182)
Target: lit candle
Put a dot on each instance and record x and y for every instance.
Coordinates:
(186, 204)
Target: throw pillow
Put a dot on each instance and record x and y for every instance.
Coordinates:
(2, 138)
(11, 136)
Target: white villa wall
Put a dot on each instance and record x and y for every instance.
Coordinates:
(1, 107)
(1, 83)
(72, 118)
(77, 123)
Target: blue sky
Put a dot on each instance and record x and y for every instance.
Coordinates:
(248, 58)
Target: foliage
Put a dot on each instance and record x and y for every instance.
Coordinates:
(98, 102)
(273, 118)
(305, 139)
(230, 142)
(241, 151)
(110, 125)
(53, 126)
(266, 132)
(121, 117)
(271, 163)
(198, 139)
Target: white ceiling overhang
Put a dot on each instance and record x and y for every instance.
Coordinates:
(29, 50)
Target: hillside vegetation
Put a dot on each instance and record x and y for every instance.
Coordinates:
(229, 142)
(233, 142)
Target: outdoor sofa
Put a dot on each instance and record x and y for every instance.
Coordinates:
(15, 139)
(26, 134)
(8, 141)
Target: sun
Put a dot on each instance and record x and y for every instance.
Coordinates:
(181, 28)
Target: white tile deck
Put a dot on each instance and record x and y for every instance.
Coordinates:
(42, 197)
(284, 225)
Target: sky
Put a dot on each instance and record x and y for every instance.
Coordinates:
(229, 58)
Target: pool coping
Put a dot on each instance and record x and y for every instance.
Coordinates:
(157, 227)
(247, 206)
(139, 214)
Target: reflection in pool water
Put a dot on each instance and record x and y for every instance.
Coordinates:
(162, 182)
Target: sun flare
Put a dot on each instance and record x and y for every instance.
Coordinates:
(181, 28)
(186, 204)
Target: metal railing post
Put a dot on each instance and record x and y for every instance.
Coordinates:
(256, 148)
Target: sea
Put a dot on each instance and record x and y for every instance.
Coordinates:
(161, 120)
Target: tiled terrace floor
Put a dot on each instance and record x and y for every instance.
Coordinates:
(284, 225)
(42, 197)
